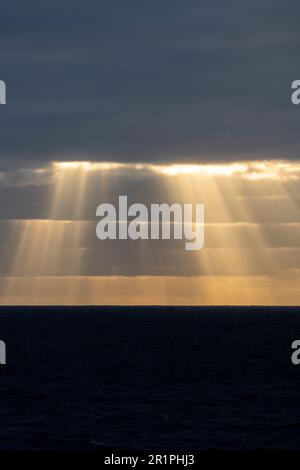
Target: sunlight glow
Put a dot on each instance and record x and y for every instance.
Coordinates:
(217, 169)
(88, 166)
(252, 170)
(243, 260)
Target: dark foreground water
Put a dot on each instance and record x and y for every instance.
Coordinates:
(145, 378)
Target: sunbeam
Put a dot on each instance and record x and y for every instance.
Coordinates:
(251, 252)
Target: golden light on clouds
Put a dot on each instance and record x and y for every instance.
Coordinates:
(252, 246)
(209, 170)
(87, 166)
(268, 169)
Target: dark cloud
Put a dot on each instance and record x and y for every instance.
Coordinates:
(149, 81)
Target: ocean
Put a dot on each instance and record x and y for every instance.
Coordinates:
(92, 378)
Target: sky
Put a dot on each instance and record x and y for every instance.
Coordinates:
(167, 101)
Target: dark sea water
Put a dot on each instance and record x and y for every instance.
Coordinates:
(145, 378)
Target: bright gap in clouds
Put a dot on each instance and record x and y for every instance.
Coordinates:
(248, 169)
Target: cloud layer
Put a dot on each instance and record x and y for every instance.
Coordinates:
(149, 81)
